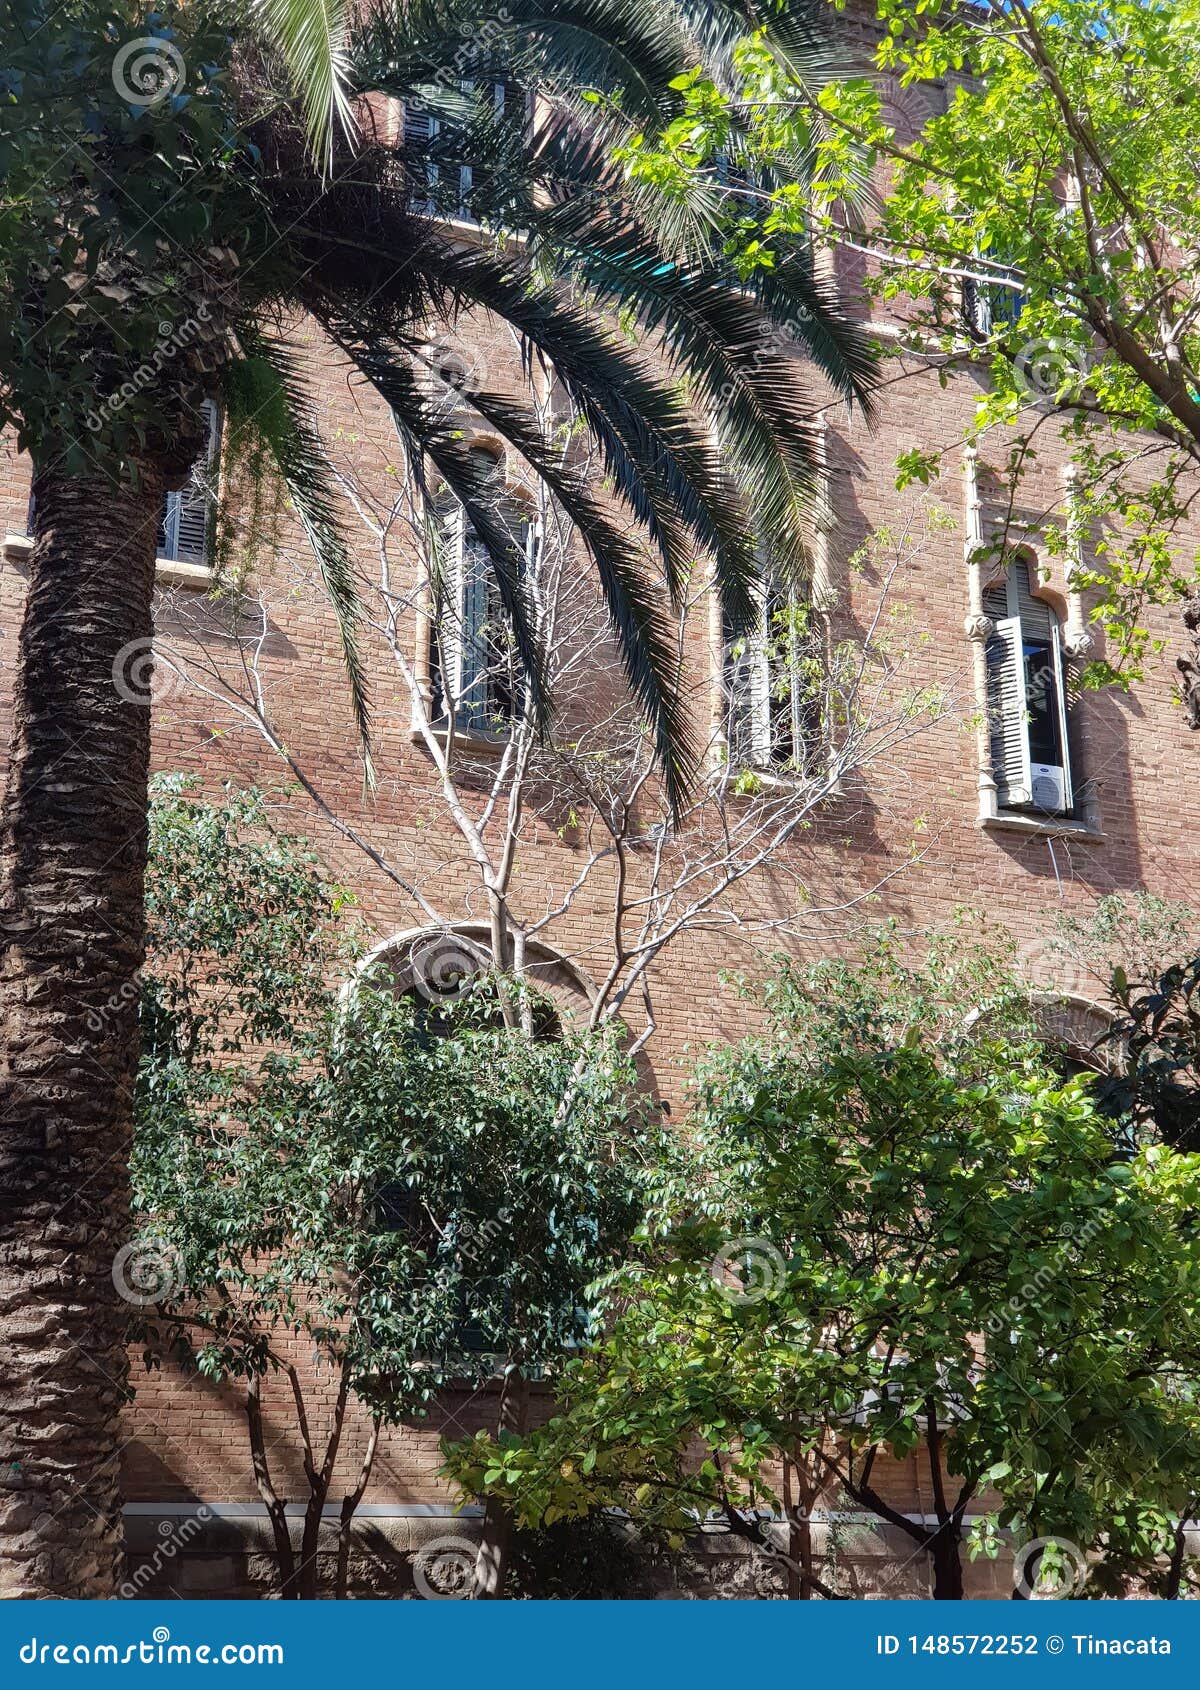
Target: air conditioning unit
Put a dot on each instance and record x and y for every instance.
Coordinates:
(1049, 787)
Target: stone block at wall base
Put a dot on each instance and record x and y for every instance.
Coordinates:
(218, 1553)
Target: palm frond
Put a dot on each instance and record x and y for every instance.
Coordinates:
(644, 634)
(606, 44)
(264, 396)
(311, 38)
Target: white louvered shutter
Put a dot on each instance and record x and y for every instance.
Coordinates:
(1060, 688)
(184, 531)
(1007, 718)
(420, 128)
(473, 640)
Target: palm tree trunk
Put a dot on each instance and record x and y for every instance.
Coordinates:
(72, 861)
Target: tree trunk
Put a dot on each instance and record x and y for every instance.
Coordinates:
(72, 861)
(274, 1504)
(946, 1555)
(492, 1560)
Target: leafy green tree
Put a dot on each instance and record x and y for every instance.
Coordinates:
(895, 1231)
(163, 217)
(416, 1202)
(1126, 952)
(1046, 218)
(1156, 1038)
(1035, 219)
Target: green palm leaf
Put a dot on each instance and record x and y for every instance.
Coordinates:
(311, 37)
(265, 397)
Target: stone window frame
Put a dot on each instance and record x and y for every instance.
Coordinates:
(1076, 641)
(424, 668)
(821, 600)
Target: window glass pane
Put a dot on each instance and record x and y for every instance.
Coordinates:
(1041, 703)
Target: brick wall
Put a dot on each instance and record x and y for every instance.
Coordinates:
(186, 1440)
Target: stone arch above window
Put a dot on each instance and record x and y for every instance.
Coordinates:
(439, 964)
(1076, 1028)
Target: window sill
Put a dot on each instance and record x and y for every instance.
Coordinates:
(480, 745)
(725, 784)
(196, 577)
(168, 572)
(466, 228)
(1045, 827)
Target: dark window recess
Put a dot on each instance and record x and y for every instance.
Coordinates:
(442, 184)
(184, 532)
(397, 1209)
(773, 706)
(1027, 696)
(472, 655)
(990, 306)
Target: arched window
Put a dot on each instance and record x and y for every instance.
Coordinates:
(438, 967)
(1027, 695)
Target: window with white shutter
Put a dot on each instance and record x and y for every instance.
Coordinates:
(473, 664)
(443, 189)
(183, 533)
(771, 682)
(1027, 697)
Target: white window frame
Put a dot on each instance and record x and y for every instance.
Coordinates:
(1012, 728)
(754, 662)
(200, 491)
(461, 637)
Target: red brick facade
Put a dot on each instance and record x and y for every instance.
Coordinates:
(911, 828)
